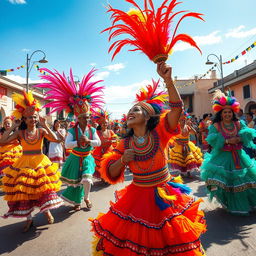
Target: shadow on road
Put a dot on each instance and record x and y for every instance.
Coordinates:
(201, 191)
(224, 227)
(11, 236)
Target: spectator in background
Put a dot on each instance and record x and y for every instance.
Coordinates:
(240, 115)
(253, 111)
(203, 129)
(249, 120)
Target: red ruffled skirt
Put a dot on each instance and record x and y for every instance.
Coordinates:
(143, 223)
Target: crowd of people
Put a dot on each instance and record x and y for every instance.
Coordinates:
(155, 144)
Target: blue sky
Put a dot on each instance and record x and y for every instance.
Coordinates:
(68, 31)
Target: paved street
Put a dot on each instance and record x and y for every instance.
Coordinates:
(70, 235)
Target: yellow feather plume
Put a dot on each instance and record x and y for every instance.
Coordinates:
(164, 195)
(138, 13)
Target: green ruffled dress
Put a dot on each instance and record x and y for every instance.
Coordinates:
(74, 173)
(229, 173)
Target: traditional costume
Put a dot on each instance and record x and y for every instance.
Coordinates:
(107, 140)
(228, 172)
(154, 215)
(76, 99)
(184, 156)
(9, 153)
(33, 180)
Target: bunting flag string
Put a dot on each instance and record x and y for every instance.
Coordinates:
(41, 71)
(241, 54)
(12, 69)
(199, 78)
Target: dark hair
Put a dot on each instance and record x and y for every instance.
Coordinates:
(23, 125)
(2, 130)
(217, 117)
(250, 114)
(55, 121)
(151, 125)
(205, 115)
(240, 110)
(98, 128)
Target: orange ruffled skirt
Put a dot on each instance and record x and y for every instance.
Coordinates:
(135, 224)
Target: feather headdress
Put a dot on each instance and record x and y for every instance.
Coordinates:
(100, 115)
(150, 100)
(75, 99)
(149, 29)
(221, 101)
(25, 104)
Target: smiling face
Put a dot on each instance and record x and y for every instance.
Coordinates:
(104, 125)
(83, 119)
(136, 116)
(7, 124)
(31, 120)
(227, 114)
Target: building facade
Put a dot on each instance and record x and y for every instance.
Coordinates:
(242, 85)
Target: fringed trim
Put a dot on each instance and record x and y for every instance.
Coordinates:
(107, 160)
(140, 249)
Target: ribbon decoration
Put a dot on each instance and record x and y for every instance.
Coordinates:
(241, 54)
(12, 69)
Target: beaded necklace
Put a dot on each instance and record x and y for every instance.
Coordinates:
(232, 131)
(31, 139)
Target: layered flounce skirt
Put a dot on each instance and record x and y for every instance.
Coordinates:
(8, 155)
(142, 222)
(32, 181)
(185, 158)
(234, 188)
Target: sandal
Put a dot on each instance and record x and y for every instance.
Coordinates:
(49, 217)
(88, 203)
(28, 226)
(77, 208)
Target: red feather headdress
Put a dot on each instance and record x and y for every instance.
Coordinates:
(149, 29)
(100, 115)
(65, 94)
(150, 100)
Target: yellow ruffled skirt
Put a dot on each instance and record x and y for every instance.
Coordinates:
(32, 181)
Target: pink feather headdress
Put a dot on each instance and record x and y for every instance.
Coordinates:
(149, 29)
(150, 100)
(75, 99)
(221, 101)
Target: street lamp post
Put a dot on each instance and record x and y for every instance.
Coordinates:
(28, 67)
(208, 62)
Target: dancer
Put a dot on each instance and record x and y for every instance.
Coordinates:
(228, 172)
(107, 137)
(32, 181)
(76, 99)
(203, 129)
(11, 151)
(153, 215)
(56, 149)
(185, 157)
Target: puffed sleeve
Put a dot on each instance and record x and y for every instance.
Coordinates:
(247, 134)
(110, 158)
(215, 138)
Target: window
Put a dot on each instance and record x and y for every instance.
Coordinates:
(232, 93)
(61, 115)
(246, 91)
(47, 110)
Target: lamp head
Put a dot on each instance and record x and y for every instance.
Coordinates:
(208, 62)
(43, 60)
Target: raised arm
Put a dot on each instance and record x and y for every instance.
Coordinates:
(47, 132)
(175, 101)
(7, 137)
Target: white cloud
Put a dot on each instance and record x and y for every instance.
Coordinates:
(22, 80)
(238, 33)
(93, 64)
(100, 76)
(115, 67)
(17, 1)
(212, 38)
(25, 50)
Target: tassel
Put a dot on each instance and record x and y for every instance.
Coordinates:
(183, 188)
(162, 199)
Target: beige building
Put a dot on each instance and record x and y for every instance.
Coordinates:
(7, 87)
(195, 96)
